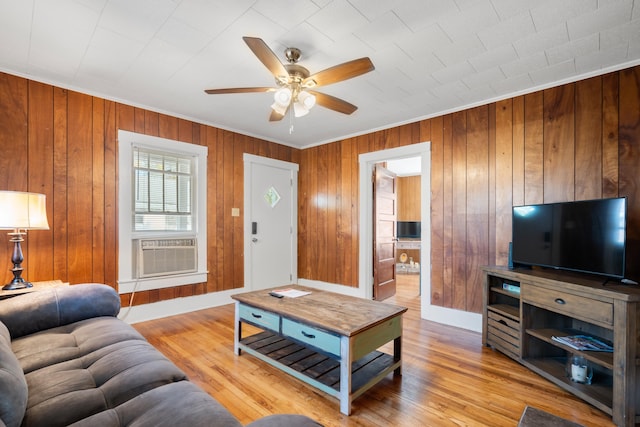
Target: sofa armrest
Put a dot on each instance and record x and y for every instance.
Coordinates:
(37, 311)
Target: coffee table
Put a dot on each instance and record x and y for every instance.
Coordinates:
(325, 339)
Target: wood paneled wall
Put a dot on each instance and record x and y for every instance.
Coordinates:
(328, 216)
(576, 141)
(573, 142)
(409, 198)
(63, 144)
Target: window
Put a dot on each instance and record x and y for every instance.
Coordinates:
(162, 191)
(162, 212)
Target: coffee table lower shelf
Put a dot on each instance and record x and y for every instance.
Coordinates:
(317, 369)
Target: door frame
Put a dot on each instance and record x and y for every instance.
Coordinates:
(248, 160)
(366, 163)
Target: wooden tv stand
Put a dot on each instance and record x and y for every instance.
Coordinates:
(523, 310)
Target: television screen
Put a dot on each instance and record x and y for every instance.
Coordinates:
(586, 236)
(408, 229)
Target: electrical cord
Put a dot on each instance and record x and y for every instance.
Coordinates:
(133, 294)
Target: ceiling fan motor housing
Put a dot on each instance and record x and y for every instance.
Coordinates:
(292, 54)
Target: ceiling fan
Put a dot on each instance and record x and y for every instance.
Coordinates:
(295, 83)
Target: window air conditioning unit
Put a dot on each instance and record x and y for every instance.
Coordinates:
(165, 257)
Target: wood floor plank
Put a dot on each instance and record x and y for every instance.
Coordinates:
(449, 378)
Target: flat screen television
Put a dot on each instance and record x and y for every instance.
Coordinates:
(585, 236)
(408, 229)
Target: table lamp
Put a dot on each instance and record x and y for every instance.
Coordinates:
(19, 212)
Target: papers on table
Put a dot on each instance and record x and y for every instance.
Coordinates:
(290, 293)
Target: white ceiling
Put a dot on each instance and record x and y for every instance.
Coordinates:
(405, 167)
(431, 56)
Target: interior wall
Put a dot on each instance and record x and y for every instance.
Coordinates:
(576, 141)
(63, 144)
(572, 142)
(408, 198)
(328, 215)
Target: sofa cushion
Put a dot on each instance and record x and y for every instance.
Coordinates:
(54, 307)
(13, 386)
(285, 420)
(71, 341)
(78, 370)
(168, 405)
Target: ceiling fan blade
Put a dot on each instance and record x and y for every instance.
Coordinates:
(333, 103)
(267, 57)
(276, 117)
(338, 73)
(239, 90)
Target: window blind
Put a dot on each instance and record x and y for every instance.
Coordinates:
(162, 193)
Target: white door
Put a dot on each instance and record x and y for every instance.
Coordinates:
(270, 222)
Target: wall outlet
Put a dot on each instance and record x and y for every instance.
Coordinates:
(235, 211)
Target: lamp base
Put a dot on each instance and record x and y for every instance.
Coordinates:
(16, 258)
(17, 283)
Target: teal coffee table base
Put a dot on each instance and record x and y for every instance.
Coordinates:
(298, 338)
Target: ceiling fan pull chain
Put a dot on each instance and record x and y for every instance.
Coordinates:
(290, 121)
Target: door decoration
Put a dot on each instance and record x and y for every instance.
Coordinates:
(272, 197)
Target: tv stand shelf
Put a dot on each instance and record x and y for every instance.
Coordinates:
(600, 357)
(506, 310)
(524, 309)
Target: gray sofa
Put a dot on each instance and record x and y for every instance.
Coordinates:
(65, 359)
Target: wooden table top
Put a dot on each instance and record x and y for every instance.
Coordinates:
(37, 286)
(331, 311)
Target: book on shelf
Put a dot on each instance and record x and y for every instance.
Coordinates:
(511, 288)
(584, 342)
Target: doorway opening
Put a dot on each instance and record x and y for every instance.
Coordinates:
(367, 163)
(408, 269)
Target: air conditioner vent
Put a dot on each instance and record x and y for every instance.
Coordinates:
(165, 257)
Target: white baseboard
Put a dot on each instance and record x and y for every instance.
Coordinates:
(446, 316)
(452, 317)
(157, 310)
(332, 287)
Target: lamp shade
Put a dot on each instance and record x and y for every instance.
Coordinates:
(21, 210)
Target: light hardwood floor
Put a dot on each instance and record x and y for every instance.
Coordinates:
(449, 378)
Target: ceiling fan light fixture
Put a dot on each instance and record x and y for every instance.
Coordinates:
(306, 99)
(299, 109)
(293, 81)
(282, 97)
(280, 109)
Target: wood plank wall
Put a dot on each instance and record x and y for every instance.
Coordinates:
(573, 142)
(576, 141)
(63, 144)
(409, 198)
